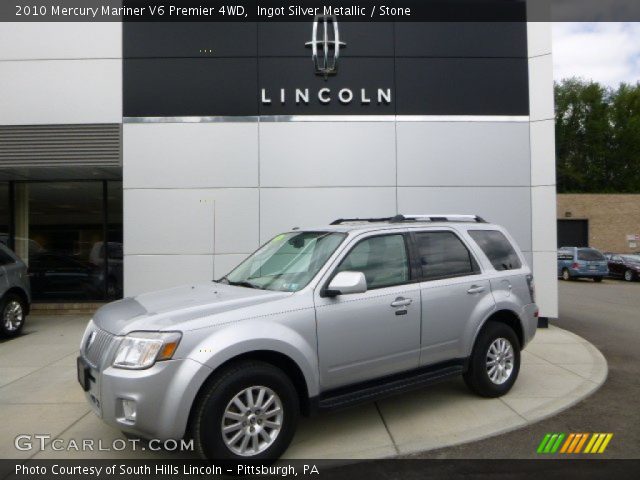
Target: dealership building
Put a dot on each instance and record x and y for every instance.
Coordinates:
(139, 156)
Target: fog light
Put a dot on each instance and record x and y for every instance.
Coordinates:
(129, 410)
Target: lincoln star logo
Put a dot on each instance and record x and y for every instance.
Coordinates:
(325, 45)
(90, 340)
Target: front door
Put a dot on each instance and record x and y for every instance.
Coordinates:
(376, 333)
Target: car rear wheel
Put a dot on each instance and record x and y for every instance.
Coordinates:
(629, 276)
(249, 411)
(12, 315)
(495, 361)
(597, 279)
(565, 274)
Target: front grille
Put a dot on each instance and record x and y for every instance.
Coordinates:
(95, 350)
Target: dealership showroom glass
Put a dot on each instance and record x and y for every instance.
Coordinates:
(191, 200)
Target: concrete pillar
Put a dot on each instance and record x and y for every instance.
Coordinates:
(22, 221)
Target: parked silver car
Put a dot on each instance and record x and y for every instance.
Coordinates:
(15, 294)
(316, 319)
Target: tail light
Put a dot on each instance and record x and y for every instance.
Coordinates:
(575, 266)
(532, 288)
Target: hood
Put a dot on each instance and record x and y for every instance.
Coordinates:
(168, 309)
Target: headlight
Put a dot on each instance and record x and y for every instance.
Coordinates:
(141, 350)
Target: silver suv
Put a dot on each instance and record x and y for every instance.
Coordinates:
(316, 319)
(15, 294)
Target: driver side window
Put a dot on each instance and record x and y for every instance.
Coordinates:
(383, 260)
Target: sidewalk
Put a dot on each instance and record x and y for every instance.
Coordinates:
(39, 394)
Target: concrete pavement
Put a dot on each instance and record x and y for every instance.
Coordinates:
(39, 394)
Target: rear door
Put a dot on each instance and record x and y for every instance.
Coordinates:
(455, 294)
(616, 266)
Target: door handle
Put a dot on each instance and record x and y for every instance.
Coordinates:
(475, 289)
(401, 302)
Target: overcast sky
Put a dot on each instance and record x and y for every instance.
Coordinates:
(608, 53)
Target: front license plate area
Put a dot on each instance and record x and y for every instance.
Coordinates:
(84, 374)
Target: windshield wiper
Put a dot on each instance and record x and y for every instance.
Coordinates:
(244, 284)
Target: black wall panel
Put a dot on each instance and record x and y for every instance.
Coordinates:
(190, 87)
(461, 39)
(462, 86)
(195, 39)
(431, 68)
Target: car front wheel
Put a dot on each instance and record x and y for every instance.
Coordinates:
(495, 361)
(249, 411)
(12, 315)
(629, 276)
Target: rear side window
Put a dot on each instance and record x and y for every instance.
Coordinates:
(443, 255)
(589, 254)
(497, 248)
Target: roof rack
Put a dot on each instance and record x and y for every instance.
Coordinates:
(414, 218)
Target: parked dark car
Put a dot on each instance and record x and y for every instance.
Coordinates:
(574, 262)
(54, 274)
(624, 266)
(15, 295)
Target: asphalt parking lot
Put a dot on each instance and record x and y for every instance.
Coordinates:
(608, 316)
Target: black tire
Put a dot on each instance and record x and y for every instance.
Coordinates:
(206, 424)
(477, 375)
(565, 274)
(629, 276)
(597, 279)
(9, 301)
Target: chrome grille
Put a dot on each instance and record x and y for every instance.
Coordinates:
(95, 349)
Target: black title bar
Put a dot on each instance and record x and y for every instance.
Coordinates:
(304, 10)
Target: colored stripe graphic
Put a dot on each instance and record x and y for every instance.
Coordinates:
(598, 442)
(543, 443)
(574, 443)
(550, 443)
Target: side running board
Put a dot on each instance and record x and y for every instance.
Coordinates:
(387, 386)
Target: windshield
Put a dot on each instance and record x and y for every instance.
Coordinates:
(287, 263)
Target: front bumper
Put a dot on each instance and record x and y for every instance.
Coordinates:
(163, 395)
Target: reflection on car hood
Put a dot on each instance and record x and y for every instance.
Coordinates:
(167, 309)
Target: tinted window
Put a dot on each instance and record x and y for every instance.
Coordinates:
(497, 249)
(565, 255)
(383, 260)
(5, 258)
(442, 255)
(589, 254)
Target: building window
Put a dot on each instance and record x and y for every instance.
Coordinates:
(70, 236)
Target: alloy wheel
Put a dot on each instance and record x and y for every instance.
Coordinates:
(628, 275)
(13, 316)
(252, 421)
(500, 361)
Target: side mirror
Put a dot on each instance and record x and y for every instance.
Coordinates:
(345, 283)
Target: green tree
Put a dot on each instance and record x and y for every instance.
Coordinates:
(597, 137)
